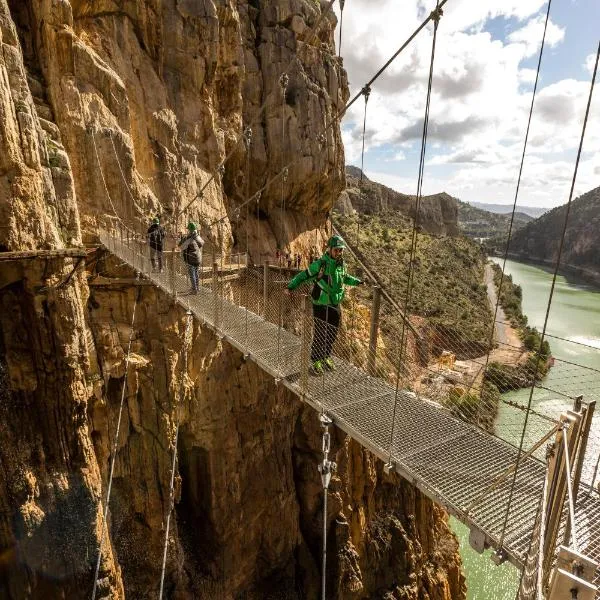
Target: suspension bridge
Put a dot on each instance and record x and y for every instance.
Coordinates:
(455, 463)
(526, 494)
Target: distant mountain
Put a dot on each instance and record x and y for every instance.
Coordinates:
(438, 213)
(540, 239)
(478, 223)
(503, 209)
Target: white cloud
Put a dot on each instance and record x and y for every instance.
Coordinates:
(480, 101)
(590, 60)
(531, 34)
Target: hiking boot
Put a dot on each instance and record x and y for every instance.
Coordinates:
(329, 364)
(317, 368)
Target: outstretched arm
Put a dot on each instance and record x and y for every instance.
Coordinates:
(312, 271)
(350, 280)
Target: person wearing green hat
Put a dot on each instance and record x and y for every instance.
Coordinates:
(329, 276)
(156, 237)
(191, 251)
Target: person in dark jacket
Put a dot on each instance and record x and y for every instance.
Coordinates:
(156, 237)
(329, 276)
(191, 251)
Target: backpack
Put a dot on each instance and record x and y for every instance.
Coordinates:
(192, 253)
(316, 291)
(155, 237)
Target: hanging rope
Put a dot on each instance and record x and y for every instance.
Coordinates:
(115, 446)
(549, 305)
(184, 354)
(436, 14)
(342, 2)
(514, 209)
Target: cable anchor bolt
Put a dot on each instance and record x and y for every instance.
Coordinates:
(284, 81)
(285, 174)
(366, 92)
(327, 467)
(248, 136)
(436, 14)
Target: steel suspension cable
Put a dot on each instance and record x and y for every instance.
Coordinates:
(552, 288)
(514, 208)
(115, 446)
(184, 352)
(435, 16)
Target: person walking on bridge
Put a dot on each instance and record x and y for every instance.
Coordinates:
(191, 251)
(156, 237)
(329, 276)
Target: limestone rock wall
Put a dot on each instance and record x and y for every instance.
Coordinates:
(115, 110)
(150, 97)
(37, 197)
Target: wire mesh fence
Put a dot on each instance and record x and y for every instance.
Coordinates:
(438, 405)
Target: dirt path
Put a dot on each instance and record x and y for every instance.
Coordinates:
(505, 334)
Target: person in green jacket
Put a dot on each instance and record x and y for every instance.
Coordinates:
(329, 276)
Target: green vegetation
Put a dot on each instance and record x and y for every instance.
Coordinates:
(448, 287)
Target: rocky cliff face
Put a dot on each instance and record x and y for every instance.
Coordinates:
(438, 213)
(119, 110)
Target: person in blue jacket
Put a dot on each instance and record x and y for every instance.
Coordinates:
(330, 278)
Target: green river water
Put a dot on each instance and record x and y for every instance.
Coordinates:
(574, 316)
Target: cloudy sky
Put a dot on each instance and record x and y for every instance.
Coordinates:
(486, 56)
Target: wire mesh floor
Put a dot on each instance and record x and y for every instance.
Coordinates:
(452, 462)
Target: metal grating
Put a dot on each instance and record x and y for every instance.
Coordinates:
(451, 461)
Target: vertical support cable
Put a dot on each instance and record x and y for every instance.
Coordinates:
(549, 305)
(512, 216)
(283, 82)
(184, 351)
(435, 17)
(326, 468)
(366, 92)
(342, 3)
(115, 444)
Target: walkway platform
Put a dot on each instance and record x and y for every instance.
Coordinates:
(452, 462)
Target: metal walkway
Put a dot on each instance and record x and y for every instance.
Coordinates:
(450, 461)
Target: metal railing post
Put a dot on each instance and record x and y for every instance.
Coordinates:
(216, 295)
(305, 349)
(374, 331)
(265, 286)
(172, 268)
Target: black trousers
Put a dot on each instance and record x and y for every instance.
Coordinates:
(326, 321)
